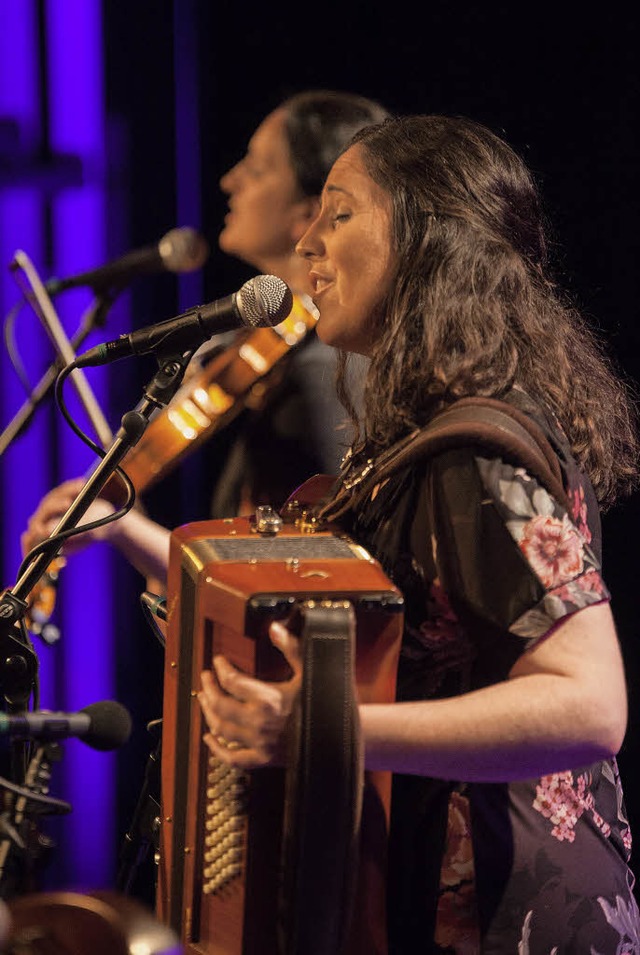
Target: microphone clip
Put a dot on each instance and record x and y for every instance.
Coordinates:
(166, 381)
(18, 660)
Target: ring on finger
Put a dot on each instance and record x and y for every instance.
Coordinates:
(228, 743)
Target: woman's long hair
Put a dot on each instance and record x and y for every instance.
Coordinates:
(473, 310)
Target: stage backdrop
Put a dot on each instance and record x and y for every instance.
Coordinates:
(116, 123)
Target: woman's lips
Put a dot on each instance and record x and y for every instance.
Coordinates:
(320, 283)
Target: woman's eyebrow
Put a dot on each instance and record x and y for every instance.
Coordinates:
(334, 188)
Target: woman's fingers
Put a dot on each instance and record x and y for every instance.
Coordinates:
(206, 699)
(47, 515)
(53, 507)
(247, 689)
(288, 644)
(248, 718)
(231, 736)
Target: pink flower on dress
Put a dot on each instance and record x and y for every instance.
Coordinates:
(562, 804)
(604, 826)
(553, 548)
(589, 583)
(562, 800)
(457, 861)
(579, 512)
(457, 919)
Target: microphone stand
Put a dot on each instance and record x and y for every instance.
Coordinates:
(144, 827)
(94, 317)
(18, 661)
(47, 314)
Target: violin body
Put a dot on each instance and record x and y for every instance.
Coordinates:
(235, 378)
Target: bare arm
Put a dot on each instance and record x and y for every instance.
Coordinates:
(563, 705)
(142, 542)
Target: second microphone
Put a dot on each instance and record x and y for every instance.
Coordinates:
(262, 301)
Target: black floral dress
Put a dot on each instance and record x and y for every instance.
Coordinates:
(489, 563)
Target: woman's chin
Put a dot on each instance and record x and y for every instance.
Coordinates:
(231, 243)
(339, 338)
(326, 333)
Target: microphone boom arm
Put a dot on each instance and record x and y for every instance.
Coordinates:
(18, 663)
(52, 324)
(93, 318)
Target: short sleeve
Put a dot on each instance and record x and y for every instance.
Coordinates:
(505, 550)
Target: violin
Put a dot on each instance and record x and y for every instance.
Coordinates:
(235, 378)
(209, 400)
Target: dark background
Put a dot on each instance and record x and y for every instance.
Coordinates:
(560, 86)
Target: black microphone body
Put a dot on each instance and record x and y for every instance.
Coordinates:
(262, 301)
(180, 250)
(102, 726)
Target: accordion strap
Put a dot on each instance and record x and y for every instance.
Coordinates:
(485, 423)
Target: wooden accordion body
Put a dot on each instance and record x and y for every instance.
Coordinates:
(277, 861)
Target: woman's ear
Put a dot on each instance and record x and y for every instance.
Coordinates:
(308, 209)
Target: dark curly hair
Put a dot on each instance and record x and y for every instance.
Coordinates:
(473, 309)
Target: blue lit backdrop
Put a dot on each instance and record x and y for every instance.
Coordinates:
(51, 93)
(64, 196)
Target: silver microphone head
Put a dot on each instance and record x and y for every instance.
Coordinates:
(264, 300)
(183, 250)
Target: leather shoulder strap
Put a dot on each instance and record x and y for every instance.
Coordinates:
(485, 423)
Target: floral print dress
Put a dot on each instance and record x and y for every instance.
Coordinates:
(489, 563)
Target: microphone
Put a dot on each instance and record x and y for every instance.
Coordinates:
(180, 250)
(262, 301)
(104, 726)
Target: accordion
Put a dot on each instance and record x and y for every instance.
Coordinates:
(277, 860)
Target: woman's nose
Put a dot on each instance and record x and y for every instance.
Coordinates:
(306, 247)
(227, 179)
(303, 251)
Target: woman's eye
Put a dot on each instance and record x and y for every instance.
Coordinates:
(341, 217)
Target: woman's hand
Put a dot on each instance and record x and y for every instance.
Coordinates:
(247, 718)
(53, 507)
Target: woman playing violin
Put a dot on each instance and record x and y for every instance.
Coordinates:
(298, 429)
